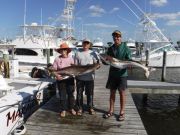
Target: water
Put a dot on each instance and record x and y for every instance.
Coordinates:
(161, 114)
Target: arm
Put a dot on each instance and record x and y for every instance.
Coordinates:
(55, 67)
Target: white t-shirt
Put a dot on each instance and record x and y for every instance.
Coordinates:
(85, 58)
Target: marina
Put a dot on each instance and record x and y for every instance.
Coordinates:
(30, 95)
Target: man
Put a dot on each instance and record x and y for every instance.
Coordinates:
(85, 82)
(117, 79)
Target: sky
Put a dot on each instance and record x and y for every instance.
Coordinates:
(93, 18)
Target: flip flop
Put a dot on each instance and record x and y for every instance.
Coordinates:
(121, 117)
(91, 111)
(107, 115)
(79, 113)
(73, 112)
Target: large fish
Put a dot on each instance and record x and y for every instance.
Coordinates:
(121, 64)
(76, 70)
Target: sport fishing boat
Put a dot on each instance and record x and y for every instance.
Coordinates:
(154, 41)
(157, 43)
(32, 46)
(37, 44)
(18, 100)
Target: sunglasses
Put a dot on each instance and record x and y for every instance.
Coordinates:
(116, 36)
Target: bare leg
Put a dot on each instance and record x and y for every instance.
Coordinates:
(122, 94)
(112, 100)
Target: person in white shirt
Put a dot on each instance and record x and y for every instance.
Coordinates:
(85, 82)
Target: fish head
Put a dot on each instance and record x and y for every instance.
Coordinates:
(106, 59)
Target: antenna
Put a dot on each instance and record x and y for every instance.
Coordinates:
(126, 20)
(149, 25)
(130, 9)
(24, 31)
(152, 24)
(41, 16)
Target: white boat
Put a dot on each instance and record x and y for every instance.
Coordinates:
(98, 46)
(156, 54)
(157, 43)
(32, 46)
(18, 100)
(132, 46)
(37, 43)
(154, 41)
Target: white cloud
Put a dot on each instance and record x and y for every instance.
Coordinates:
(173, 23)
(158, 3)
(172, 19)
(114, 9)
(95, 14)
(165, 16)
(96, 11)
(101, 25)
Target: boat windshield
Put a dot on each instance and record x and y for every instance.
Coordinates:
(151, 46)
(166, 48)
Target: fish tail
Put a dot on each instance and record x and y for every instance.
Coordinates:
(147, 72)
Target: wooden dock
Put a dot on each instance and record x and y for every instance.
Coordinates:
(46, 120)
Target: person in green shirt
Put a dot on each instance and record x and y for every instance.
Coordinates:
(117, 79)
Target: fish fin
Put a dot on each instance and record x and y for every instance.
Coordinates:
(151, 69)
(135, 61)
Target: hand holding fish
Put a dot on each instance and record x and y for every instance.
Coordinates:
(58, 77)
(121, 64)
(109, 58)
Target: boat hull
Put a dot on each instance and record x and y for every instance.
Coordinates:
(172, 59)
(17, 105)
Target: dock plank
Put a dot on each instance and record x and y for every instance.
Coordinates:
(47, 121)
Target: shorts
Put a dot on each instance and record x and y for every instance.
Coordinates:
(114, 83)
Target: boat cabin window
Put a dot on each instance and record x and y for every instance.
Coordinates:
(20, 51)
(44, 52)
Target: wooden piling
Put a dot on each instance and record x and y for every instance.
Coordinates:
(179, 100)
(147, 57)
(163, 77)
(145, 97)
(48, 55)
